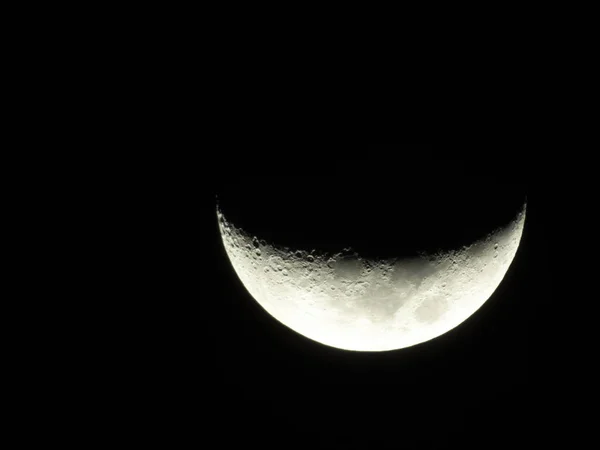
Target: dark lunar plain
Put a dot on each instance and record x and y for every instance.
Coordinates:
(262, 384)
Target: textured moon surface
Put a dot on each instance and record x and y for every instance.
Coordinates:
(349, 302)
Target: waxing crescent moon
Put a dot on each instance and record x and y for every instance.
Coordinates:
(353, 303)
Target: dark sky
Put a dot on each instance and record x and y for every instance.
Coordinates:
(470, 388)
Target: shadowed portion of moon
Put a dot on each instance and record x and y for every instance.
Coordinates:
(352, 300)
(384, 218)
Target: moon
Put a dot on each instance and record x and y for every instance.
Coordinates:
(350, 302)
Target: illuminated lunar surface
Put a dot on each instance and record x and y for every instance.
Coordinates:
(345, 301)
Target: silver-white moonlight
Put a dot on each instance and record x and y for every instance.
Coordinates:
(352, 303)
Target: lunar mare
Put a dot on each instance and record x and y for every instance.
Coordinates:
(353, 303)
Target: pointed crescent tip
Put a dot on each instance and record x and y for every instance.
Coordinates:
(218, 209)
(523, 213)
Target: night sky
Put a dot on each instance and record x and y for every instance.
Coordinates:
(470, 388)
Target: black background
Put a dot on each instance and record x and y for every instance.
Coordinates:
(472, 387)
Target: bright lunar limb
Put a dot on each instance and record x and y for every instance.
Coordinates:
(345, 301)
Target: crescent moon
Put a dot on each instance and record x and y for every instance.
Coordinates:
(353, 303)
